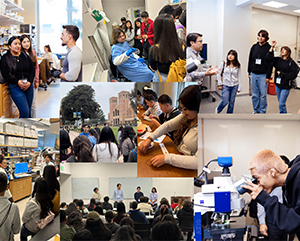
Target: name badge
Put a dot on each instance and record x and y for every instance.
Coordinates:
(278, 80)
(258, 61)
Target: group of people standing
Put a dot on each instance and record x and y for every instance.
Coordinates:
(95, 145)
(260, 66)
(159, 44)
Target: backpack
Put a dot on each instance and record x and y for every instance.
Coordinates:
(177, 71)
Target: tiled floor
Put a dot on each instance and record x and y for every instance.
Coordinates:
(243, 104)
(48, 102)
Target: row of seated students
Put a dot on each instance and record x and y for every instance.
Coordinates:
(111, 226)
(40, 210)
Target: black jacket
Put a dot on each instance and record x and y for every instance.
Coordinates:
(260, 52)
(163, 118)
(107, 206)
(288, 70)
(25, 69)
(285, 216)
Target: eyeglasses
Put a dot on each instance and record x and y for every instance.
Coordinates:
(200, 41)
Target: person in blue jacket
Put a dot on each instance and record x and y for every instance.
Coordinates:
(271, 172)
(85, 130)
(127, 62)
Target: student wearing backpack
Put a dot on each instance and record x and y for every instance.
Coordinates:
(230, 81)
(10, 222)
(166, 48)
(37, 212)
(286, 70)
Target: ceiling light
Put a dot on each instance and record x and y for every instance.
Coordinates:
(297, 11)
(275, 4)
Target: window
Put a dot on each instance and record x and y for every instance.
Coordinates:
(52, 15)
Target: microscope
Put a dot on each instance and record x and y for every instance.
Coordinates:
(219, 207)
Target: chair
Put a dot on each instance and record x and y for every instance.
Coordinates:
(186, 224)
(142, 229)
(116, 73)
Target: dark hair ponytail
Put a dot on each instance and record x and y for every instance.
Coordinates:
(82, 145)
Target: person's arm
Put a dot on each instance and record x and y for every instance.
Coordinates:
(284, 218)
(219, 74)
(118, 57)
(292, 72)
(16, 225)
(147, 112)
(166, 127)
(5, 71)
(95, 153)
(122, 197)
(261, 214)
(130, 36)
(115, 195)
(250, 61)
(30, 208)
(240, 80)
(150, 33)
(182, 161)
(75, 64)
(37, 73)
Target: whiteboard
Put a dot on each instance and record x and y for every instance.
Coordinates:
(129, 185)
(83, 188)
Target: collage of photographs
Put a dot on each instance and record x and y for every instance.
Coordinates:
(149, 120)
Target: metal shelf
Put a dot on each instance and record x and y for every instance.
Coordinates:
(6, 20)
(9, 134)
(13, 7)
(14, 157)
(32, 147)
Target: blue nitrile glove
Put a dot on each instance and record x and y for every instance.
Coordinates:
(130, 51)
(141, 60)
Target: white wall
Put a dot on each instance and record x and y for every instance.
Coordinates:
(29, 11)
(115, 9)
(166, 187)
(242, 139)
(281, 27)
(154, 6)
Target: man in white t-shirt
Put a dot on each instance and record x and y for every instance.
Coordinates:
(72, 64)
(47, 162)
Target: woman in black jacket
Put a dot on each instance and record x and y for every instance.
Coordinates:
(286, 70)
(18, 70)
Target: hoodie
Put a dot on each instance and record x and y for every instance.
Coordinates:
(13, 223)
(260, 52)
(285, 216)
(150, 31)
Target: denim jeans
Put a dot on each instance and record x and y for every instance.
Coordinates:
(156, 76)
(282, 95)
(228, 97)
(259, 92)
(22, 99)
(25, 233)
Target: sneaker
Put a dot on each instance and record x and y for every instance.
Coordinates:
(255, 112)
(216, 110)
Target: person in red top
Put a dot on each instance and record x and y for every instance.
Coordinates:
(175, 204)
(147, 32)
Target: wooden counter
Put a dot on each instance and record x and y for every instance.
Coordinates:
(145, 169)
(21, 187)
(8, 108)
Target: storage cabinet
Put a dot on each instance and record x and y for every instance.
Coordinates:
(20, 188)
(8, 108)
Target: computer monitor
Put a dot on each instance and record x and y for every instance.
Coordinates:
(20, 167)
(203, 52)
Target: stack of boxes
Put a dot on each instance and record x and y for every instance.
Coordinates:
(8, 128)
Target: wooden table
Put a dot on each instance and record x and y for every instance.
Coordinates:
(145, 169)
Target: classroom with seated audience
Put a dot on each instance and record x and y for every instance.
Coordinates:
(102, 200)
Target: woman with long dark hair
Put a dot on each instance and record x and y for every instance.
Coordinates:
(97, 227)
(82, 150)
(108, 148)
(138, 37)
(26, 47)
(166, 48)
(127, 141)
(50, 175)
(18, 70)
(229, 81)
(36, 209)
(129, 32)
(185, 135)
(93, 137)
(125, 233)
(65, 145)
(121, 212)
(127, 62)
(286, 70)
